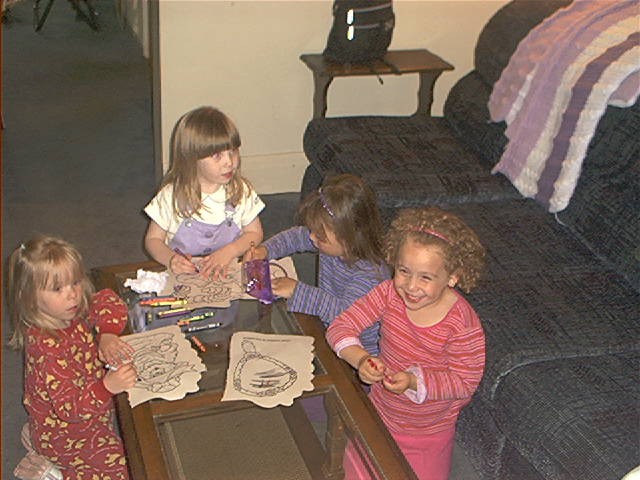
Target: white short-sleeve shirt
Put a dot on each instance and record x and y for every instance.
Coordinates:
(160, 210)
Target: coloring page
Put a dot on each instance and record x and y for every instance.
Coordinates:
(168, 367)
(268, 369)
(205, 292)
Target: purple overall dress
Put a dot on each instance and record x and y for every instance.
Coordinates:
(200, 239)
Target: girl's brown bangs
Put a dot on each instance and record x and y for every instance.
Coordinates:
(220, 143)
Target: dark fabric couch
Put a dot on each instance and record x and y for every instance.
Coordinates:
(560, 301)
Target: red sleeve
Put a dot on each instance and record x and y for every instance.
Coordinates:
(362, 313)
(107, 312)
(75, 392)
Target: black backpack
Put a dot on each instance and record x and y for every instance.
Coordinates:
(361, 31)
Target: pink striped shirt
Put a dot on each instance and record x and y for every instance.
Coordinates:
(450, 355)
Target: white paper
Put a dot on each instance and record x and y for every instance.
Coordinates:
(167, 365)
(146, 281)
(269, 369)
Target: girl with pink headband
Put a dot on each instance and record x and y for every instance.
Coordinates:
(432, 346)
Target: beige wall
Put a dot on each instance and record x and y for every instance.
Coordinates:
(243, 57)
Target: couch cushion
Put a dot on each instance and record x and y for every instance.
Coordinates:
(502, 33)
(467, 113)
(604, 209)
(408, 161)
(547, 410)
(545, 296)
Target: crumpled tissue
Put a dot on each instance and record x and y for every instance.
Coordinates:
(147, 281)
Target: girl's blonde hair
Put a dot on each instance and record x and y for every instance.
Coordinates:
(463, 253)
(199, 134)
(42, 262)
(347, 206)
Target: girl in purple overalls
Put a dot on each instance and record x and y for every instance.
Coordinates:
(204, 208)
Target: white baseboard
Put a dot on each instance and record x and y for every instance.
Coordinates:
(275, 173)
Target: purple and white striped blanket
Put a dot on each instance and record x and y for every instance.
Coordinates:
(556, 88)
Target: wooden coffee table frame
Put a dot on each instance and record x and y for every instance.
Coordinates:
(349, 410)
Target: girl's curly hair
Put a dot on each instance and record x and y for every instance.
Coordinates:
(463, 253)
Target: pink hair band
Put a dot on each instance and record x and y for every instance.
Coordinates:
(433, 233)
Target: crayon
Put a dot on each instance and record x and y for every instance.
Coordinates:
(200, 328)
(186, 321)
(198, 343)
(174, 303)
(172, 313)
(167, 298)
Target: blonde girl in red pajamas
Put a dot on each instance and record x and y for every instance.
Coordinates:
(68, 334)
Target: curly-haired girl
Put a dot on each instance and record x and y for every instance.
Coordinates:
(432, 347)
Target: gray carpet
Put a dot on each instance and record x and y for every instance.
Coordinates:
(78, 160)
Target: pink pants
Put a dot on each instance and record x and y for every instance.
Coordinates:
(428, 455)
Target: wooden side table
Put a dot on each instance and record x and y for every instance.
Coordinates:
(428, 65)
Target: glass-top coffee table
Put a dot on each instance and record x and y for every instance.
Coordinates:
(201, 438)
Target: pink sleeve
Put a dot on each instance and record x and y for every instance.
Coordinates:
(363, 313)
(466, 351)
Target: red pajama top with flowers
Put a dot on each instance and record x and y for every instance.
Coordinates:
(449, 355)
(71, 415)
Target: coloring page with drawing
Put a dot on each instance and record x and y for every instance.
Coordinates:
(168, 367)
(269, 369)
(205, 292)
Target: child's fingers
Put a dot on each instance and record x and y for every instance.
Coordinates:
(128, 349)
(389, 376)
(128, 370)
(186, 265)
(123, 348)
(376, 365)
(128, 375)
(370, 370)
(116, 355)
(180, 264)
(259, 253)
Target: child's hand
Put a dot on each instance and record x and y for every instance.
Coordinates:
(117, 381)
(216, 265)
(398, 382)
(283, 287)
(255, 253)
(182, 264)
(112, 350)
(370, 369)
